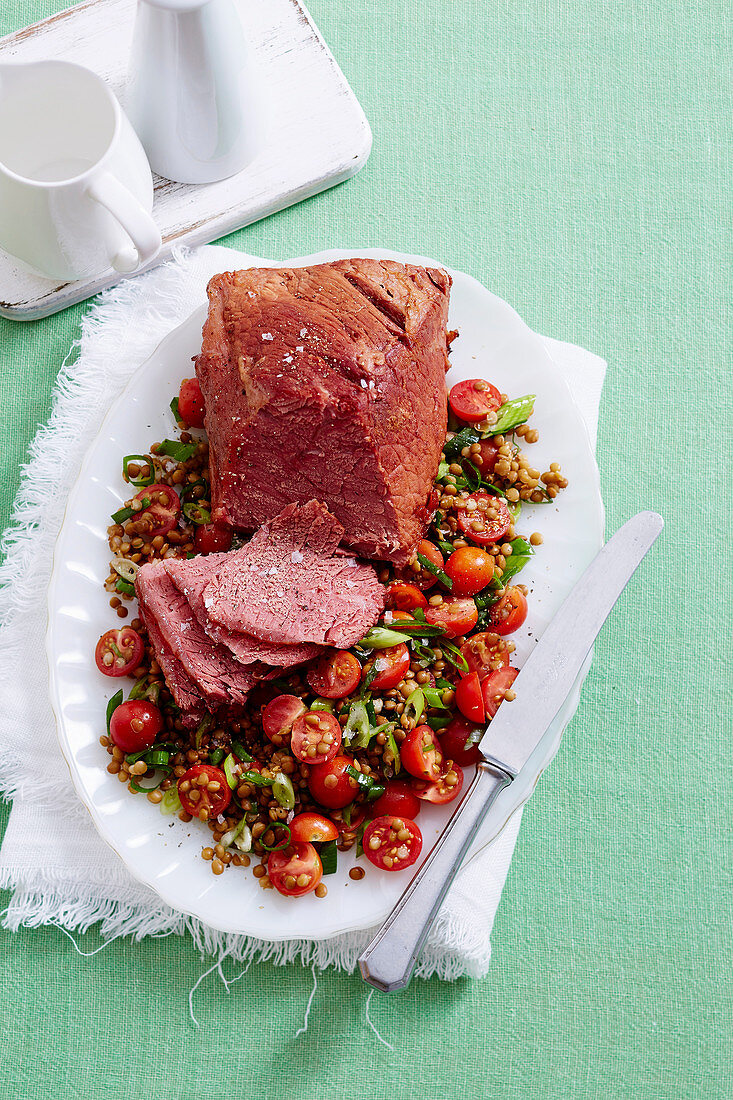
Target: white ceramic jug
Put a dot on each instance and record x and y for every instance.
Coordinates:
(192, 95)
(75, 187)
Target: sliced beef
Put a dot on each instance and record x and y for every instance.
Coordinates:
(287, 586)
(186, 695)
(220, 679)
(191, 578)
(328, 382)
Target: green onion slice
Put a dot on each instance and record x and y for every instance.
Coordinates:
(434, 698)
(196, 513)
(431, 567)
(394, 752)
(329, 857)
(439, 721)
(283, 791)
(511, 414)
(454, 656)
(323, 704)
(143, 460)
(170, 803)
(124, 588)
(415, 705)
(112, 706)
(357, 731)
(280, 844)
(216, 757)
(231, 771)
(379, 637)
(255, 779)
(125, 568)
(203, 727)
(121, 515)
(181, 452)
(174, 410)
(239, 751)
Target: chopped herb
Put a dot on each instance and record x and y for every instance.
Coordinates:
(255, 779)
(445, 547)
(124, 588)
(112, 706)
(465, 438)
(175, 449)
(511, 414)
(196, 513)
(421, 629)
(204, 725)
(520, 555)
(121, 515)
(431, 567)
(434, 698)
(174, 410)
(443, 684)
(442, 471)
(370, 676)
(379, 637)
(439, 721)
(453, 654)
(329, 858)
(323, 704)
(138, 481)
(391, 744)
(216, 757)
(367, 783)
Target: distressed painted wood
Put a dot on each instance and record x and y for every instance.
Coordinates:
(319, 135)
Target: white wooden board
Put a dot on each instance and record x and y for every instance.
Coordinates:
(317, 137)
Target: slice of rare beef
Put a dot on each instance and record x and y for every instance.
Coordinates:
(186, 695)
(287, 586)
(328, 382)
(191, 577)
(221, 680)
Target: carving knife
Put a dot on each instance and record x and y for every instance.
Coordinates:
(541, 689)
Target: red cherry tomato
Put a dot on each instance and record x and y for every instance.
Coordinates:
(485, 652)
(331, 785)
(391, 665)
(473, 398)
(135, 725)
(392, 843)
(316, 738)
(486, 460)
(421, 755)
(191, 403)
(210, 538)
(470, 568)
(469, 699)
(336, 675)
(456, 741)
(398, 800)
(357, 817)
(446, 787)
(458, 614)
(508, 613)
(495, 687)
(204, 791)
(310, 828)
(401, 596)
(296, 870)
(416, 573)
(119, 652)
(488, 522)
(278, 717)
(161, 512)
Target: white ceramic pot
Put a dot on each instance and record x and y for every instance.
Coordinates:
(75, 186)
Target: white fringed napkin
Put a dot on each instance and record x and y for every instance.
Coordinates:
(53, 861)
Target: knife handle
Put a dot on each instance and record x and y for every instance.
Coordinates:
(388, 961)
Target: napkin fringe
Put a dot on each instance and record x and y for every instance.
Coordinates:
(40, 901)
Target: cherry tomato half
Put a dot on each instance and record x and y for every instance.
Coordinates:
(278, 717)
(401, 596)
(310, 828)
(161, 513)
(191, 403)
(119, 652)
(470, 568)
(336, 675)
(135, 725)
(296, 870)
(488, 522)
(416, 573)
(457, 744)
(473, 398)
(508, 613)
(485, 652)
(210, 538)
(446, 787)
(458, 614)
(486, 460)
(398, 800)
(496, 686)
(469, 698)
(391, 665)
(421, 755)
(204, 791)
(316, 738)
(331, 785)
(392, 843)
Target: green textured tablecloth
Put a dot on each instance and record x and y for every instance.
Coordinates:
(574, 156)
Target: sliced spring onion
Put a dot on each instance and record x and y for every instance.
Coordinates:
(442, 471)
(175, 449)
(157, 758)
(511, 414)
(216, 757)
(367, 681)
(137, 786)
(357, 731)
(255, 779)
(138, 481)
(415, 705)
(280, 844)
(140, 688)
(241, 835)
(520, 555)
(188, 492)
(231, 771)
(282, 789)
(379, 637)
(174, 410)
(473, 475)
(121, 515)
(170, 803)
(323, 704)
(196, 513)
(445, 547)
(443, 684)
(329, 857)
(124, 588)
(391, 744)
(112, 706)
(239, 751)
(431, 567)
(464, 438)
(125, 568)
(359, 851)
(439, 721)
(346, 813)
(366, 782)
(420, 629)
(204, 725)
(454, 656)
(434, 698)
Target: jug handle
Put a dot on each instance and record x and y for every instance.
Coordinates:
(107, 190)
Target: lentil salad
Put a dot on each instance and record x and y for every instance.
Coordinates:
(338, 754)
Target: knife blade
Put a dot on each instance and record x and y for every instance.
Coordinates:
(513, 734)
